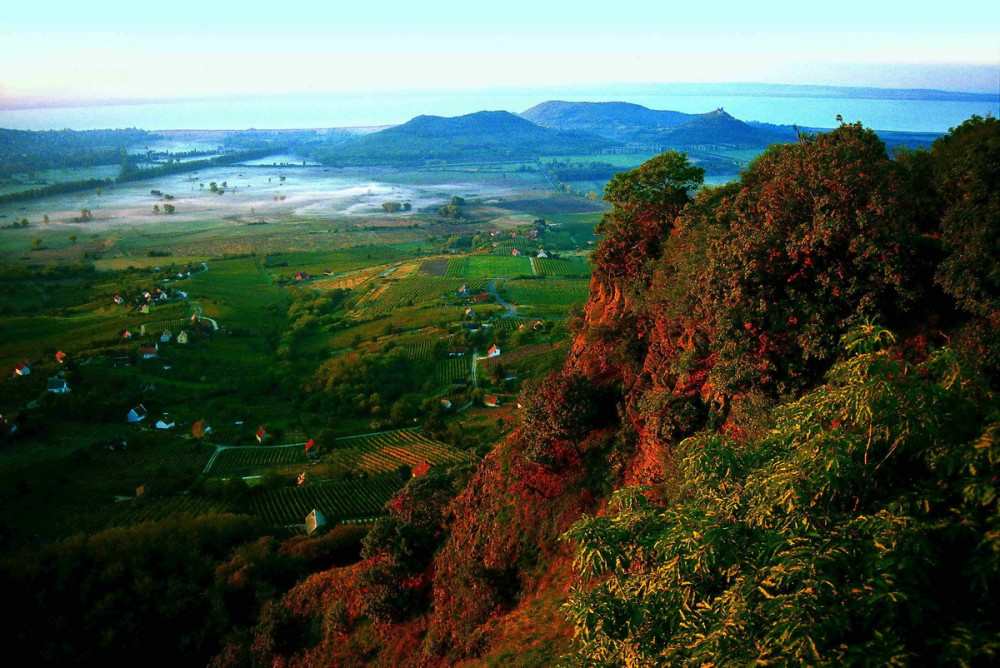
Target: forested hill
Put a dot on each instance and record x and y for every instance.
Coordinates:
(489, 135)
(601, 116)
(635, 124)
(776, 439)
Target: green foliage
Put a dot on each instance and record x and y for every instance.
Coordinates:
(863, 529)
(646, 201)
(967, 176)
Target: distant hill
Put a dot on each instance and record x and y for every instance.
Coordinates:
(598, 116)
(659, 130)
(489, 135)
(718, 127)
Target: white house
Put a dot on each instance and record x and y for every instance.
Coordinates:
(137, 414)
(165, 422)
(494, 351)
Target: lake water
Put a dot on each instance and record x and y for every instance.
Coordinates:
(365, 109)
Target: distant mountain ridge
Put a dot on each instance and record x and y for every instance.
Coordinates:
(492, 135)
(601, 115)
(635, 124)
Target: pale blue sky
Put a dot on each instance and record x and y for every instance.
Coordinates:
(103, 49)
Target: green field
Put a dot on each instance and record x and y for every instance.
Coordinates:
(552, 267)
(550, 296)
(489, 266)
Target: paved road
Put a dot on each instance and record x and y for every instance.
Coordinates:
(511, 310)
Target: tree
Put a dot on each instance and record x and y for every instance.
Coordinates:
(72, 239)
(156, 208)
(36, 243)
(860, 529)
(168, 208)
(646, 201)
(45, 218)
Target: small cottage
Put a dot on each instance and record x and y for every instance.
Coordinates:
(148, 350)
(542, 254)
(137, 414)
(165, 422)
(491, 401)
(182, 337)
(166, 336)
(314, 520)
(494, 351)
(22, 369)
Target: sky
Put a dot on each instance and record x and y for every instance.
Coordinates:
(103, 49)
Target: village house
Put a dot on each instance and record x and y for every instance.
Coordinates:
(421, 468)
(515, 253)
(445, 404)
(127, 335)
(481, 299)
(182, 337)
(22, 369)
(463, 292)
(137, 414)
(470, 313)
(148, 350)
(261, 435)
(57, 385)
(302, 276)
(542, 254)
(314, 520)
(491, 401)
(119, 299)
(457, 351)
(60, 356)
(494, 351)
(166, 336)
(165, 422)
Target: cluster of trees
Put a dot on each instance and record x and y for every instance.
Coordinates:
(396, 207)
(27, 152)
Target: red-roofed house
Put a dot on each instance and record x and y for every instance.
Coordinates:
(148, 350)
(494, 351)
(479, 299)
(22, 369)
(261, 435)
(491, 401)
(421, 468)
(60, 356)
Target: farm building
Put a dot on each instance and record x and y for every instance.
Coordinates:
(491, 401)
(494, 351)
(445, 404)
(261, 435)
(542, 254)
(137, 414)
(302, 276)
(421, 468)
(119, 300)
(481, 299)
(183, 337)
(60, 356)
(328, 272)
(314, 520)
(148, 350)
(144, 309)
(165, 422)
(515, 253)
(463, 292)
(22, 369)
(471, 313)
(127, 335)
(166, 336)
(457, 351)
(57, 385)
